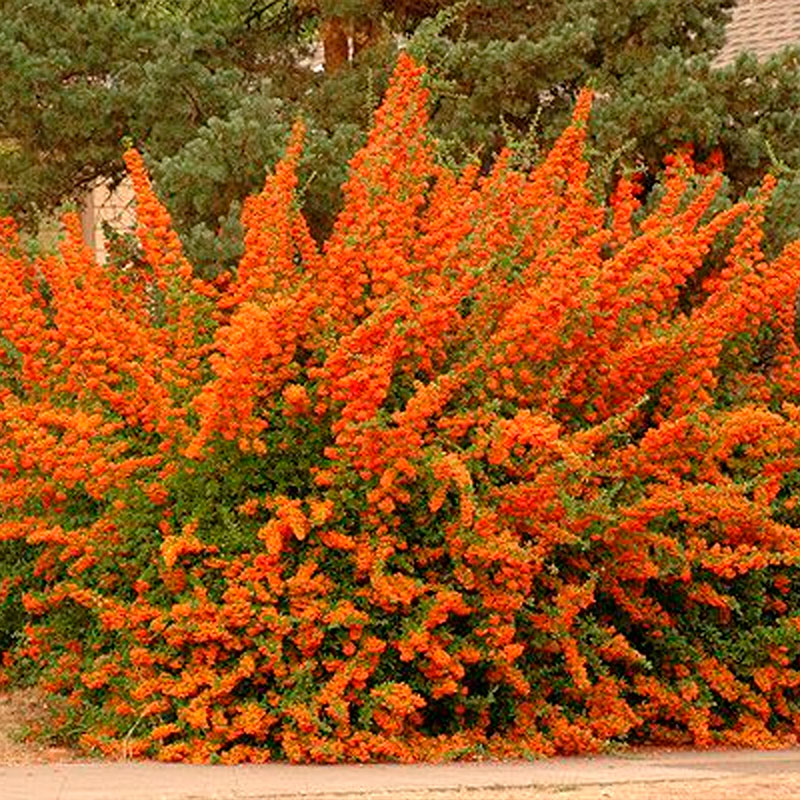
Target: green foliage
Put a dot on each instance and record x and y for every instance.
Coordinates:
(209, 89)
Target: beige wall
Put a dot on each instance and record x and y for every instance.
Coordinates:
(104, 204)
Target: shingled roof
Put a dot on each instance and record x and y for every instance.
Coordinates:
(761, 27)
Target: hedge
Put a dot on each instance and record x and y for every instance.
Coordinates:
(499, 470)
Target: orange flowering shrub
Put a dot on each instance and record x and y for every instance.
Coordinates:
(498, 470)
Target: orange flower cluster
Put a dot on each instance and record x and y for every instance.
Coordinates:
(500, 469)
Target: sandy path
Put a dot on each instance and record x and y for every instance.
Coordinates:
(782, 788)
(740, 775)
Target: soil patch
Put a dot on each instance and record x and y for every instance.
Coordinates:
(22, 711)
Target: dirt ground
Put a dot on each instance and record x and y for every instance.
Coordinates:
(727, 789)
(19, 710)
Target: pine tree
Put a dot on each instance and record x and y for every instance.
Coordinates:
(208, 91)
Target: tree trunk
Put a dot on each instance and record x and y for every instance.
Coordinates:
(335, 44)
(366, 32)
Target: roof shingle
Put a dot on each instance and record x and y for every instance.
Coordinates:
(761, 27)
